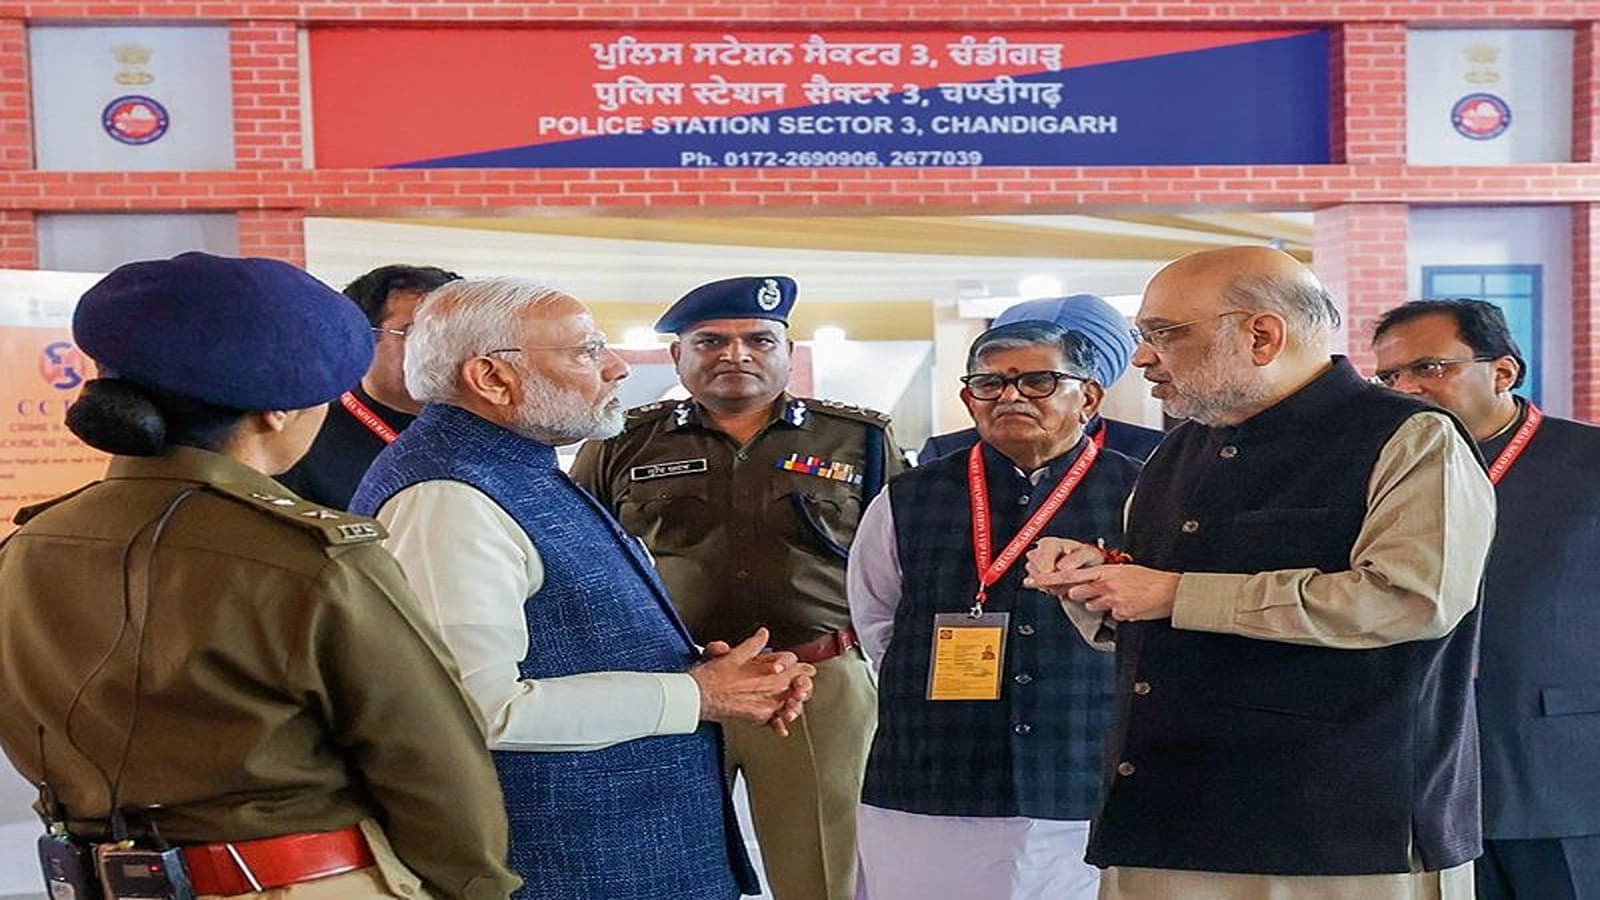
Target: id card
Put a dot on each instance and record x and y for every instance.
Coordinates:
(968, 656)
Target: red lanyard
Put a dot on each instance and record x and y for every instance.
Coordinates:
(991, 569)
(367, 417)
(1519, 443)
(1100, 437)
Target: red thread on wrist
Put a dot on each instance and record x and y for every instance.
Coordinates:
(1114, 558)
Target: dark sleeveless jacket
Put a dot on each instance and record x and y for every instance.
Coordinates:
(1035, 752)
(641, 820)
(1256, 756)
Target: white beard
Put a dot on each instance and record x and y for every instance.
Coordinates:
(555, 415)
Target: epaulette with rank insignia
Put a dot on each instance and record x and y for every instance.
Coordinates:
(334, 527)
(847, 411)
(28, 512)
(650, 412)
(649, 409)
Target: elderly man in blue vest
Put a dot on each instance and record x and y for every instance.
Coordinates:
(982, 788)
(1539, 679)
(1106, 330)
(588, 681)
(1296, 632)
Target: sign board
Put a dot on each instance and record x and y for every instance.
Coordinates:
(542, 98)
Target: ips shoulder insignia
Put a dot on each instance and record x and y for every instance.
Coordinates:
(641, 414)
(847, 411)
(28, 512)
(334, 527)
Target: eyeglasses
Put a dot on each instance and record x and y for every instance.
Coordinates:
(397, 332)
(1032, 385)
(1425, 369)
(592, 351)
(1166, 334)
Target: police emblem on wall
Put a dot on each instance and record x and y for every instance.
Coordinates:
(63, 366)
(135, 119)
(1480, 116)
(769, 295)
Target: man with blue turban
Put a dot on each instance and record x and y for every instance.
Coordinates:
(1108, 334)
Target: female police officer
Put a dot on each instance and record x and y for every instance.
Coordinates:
(192, 655)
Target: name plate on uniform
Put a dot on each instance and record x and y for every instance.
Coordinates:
(968, 656)
(667, 469)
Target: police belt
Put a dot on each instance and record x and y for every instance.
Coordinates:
(826, 647)
(243, 867)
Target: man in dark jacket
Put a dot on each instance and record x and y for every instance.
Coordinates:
(1539, 676)
(1296, 639)
(371, 414)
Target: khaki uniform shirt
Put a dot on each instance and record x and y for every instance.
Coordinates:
(748, 535)
(261, 672)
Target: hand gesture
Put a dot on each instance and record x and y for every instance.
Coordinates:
(748, 682)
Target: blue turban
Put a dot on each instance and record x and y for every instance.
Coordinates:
(1091, 317)
(249, 334)
(750, 297)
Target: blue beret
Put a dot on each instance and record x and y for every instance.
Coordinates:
(250, 334)
(1095, 319)
(749, 297)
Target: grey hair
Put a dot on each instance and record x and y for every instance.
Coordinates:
(1076, 351)
(1303, 302)
(463, 319)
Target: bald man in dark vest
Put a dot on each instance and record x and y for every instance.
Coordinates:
(1296, 631)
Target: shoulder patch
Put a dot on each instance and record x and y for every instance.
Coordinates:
(847, 411)
(645, 411)
(649, 412)
(28, 512)
(335, 527)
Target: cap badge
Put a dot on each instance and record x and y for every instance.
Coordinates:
(769, 295)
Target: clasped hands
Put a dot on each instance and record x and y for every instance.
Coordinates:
(750, 683)
(1077, 572)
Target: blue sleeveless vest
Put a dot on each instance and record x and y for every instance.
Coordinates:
(643, 820)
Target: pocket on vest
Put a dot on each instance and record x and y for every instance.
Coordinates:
(1570, 701)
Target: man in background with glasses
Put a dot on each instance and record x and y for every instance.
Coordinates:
(749, 497)
(985, 770)
(596, 705)
(1538, 681)
(369, 415)
(1296, 632)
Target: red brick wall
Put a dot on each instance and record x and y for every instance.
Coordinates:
(16, 120)
(266, 95)
(1372, 114)
(277, 233)
(1586, 92)
(1586, 311)
(19, 243)
(1041, 190)
(1018, 12)
(1360, 252)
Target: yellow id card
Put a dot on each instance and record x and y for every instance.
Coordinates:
(968, 656)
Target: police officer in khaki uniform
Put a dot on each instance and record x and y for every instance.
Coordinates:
(749, 498)
(190, 654)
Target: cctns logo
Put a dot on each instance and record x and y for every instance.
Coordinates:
(63, 366)
(135, 119)
(1480, 117)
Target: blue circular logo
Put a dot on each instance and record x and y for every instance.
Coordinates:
(1480, 117)
(135, 119)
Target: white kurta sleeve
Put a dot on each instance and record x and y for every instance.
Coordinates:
(473, 569)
